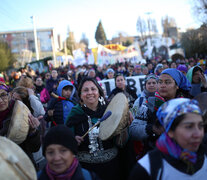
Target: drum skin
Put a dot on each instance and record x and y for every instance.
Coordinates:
(12, 156)
(19, 124)
(118, 119)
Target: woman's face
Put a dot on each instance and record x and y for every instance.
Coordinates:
(110, 75)
(4, 100)
(173, 65)
(151, 85)
(196, 79)
(189, 133)
(120, 82)
(16, 96)
(89, 93)
(39, 82)
(59, 158)
(167, 86)
(47, 76)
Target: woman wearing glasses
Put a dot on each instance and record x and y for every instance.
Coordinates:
(171, 84)
(32, 142)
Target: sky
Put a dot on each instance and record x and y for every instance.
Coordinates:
(83, 16)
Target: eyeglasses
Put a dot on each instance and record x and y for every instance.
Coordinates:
(3, 96)
(167, 82)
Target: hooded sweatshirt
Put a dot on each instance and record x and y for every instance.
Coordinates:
(67, 105)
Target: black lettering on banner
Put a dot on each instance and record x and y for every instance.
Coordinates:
(107, 86)
(141, 82)
(131, 83)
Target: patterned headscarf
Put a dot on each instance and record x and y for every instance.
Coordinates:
(180, 79)
(4, 86)
(166, 115)
(174, 108)
(150, 76)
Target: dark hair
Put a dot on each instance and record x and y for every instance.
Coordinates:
(23, 93)
(197, 68)
(177, 121)
(101, 93)
(117, 75)
(182, 93)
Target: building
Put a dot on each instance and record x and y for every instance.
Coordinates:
(23, 41)
(123, 39)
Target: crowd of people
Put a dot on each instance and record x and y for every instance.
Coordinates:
(162, 138)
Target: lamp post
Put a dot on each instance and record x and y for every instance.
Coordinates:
(35, 37)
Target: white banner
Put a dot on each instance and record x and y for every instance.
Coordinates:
(134, 82)
(107, 56)
(79, 57)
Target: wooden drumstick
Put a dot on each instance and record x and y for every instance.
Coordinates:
(91, 129)
(105, 116)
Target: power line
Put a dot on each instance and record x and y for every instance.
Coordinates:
(6, 12)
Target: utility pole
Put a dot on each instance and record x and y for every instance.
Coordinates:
(148, 22)
(35, 37)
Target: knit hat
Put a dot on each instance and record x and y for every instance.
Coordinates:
(150, 76)
(158, 67)
(180, 79)
(60, 135)
(4, 86)
(182, 68)
(109, 70)
(201, 62)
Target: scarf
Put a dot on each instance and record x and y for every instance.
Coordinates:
(38, 89)
(64, 176)
(159, 100)
(167, 146)
(148, 94)
(94, 114)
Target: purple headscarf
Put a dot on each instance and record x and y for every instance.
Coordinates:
(4, 87)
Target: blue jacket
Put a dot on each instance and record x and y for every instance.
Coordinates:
(80, 174)
(61, 107)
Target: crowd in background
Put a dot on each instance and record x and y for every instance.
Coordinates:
(60, 97)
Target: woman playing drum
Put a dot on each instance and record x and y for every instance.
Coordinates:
(32, 141)
(94, 154)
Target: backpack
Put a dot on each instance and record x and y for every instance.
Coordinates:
(44, 96)
(86, 174)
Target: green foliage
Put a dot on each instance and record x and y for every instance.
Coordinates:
(100, 34)
(70, 43)
(127, 43)
(194, 42)
(6, 57)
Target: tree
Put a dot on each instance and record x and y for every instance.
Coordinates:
(200, 10)
(84, 40)
(141, 27)
(6, 57)
(70, 43)
(154, 26)
(100, 35)
(127, 43)
(194, 42)
(167, 22)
